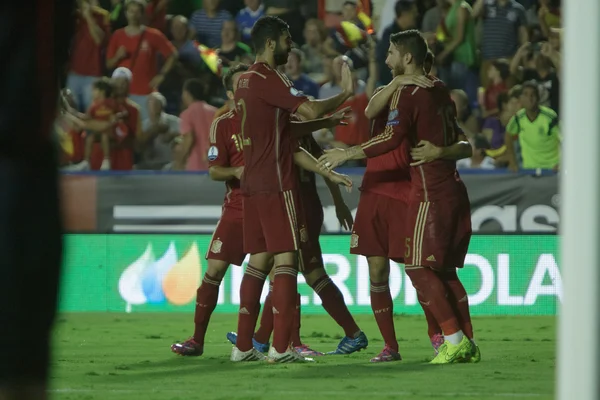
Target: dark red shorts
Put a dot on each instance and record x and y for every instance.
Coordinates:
(439, 233)
(227, 243)
(273, 223)
(379, 227)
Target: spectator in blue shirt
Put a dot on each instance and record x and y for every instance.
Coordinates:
(302, 82)
(207, 23)
(248, 16)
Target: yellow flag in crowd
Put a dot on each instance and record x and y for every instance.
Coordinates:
(210, 58)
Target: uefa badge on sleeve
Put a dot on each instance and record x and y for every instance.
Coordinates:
(393, 118)
(213, 153)
(354, 241)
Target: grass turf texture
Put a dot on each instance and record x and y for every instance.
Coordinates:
(127, 356)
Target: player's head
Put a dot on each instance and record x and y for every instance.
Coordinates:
(407, 52)
(271, 37)
(231, 78)
(193, 90)
(134, 11)
(428, 62)
(530, 96)
(121, 77)
(102, 89)
(156, 103)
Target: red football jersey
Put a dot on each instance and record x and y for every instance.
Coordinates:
(226, 150)
(265, 99)
(388, 174)
(422, 114)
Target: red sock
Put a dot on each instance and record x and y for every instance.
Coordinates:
(432, 326)
(434, 294)
(457, 295)
(263, 334)
(250, 291)
(334, 304)
(296, 341)
(285, 289)
(383, 309)
(206, 301)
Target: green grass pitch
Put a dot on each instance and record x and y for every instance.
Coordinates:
(127, 356)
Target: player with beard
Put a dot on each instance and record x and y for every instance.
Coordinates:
(438, 214)
(274, 224)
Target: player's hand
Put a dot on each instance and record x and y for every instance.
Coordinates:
(238, 172)
(340, 179)
(331, 159)
(340, 117)
(347, 81)
(424, 152)
(418, 80)
(343, 214)
(121, 53)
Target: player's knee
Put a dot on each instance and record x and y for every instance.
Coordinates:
(288, 258)
(262, 262)
(313, 276)
(379, 269)
(217, 268)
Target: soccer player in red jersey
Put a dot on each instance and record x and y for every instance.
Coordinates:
(274, 223)
(438, 216)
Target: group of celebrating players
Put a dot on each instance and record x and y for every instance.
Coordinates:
(413, 208)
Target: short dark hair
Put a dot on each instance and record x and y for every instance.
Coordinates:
(196, 88)
(267, 27)
(501, 100)
(403, 6)
(104, 85)
(503, 67)
(533, 86)
(428, 61)
(228, 77)
(412, 42)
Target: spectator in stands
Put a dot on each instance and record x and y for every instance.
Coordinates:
(458, 59)
(479, 159)
(195, 127)
(433, 21)
(232, 51)
(549, 16)
(136, 47)
(542, 70)
(186, 48)
(406, 15)
(504, 29)
(350, 13)
(302, 82)
(118, 19)
(207, 23)
(289, 11)
(538, 133)
(498, 73)
(160, 131)
(315, 35)
(466, 119)
(156, 14)
(494, 128)
(91, 37)
(248, 16)
(332, 88)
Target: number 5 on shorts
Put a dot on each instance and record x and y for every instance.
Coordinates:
(407, 249)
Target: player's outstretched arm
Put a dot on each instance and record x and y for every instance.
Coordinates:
(304, 128)
(222, 174)
(305, 160)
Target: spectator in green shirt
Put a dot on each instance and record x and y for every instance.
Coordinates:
(537, 130)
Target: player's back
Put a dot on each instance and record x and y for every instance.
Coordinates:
(265, 130)
(434, 120)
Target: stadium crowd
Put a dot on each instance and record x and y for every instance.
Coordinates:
(162, 61)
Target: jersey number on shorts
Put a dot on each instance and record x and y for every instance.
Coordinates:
(447, 115)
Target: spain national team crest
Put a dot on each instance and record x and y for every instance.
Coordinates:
(216, 246)
(303, 235)
(354, 241)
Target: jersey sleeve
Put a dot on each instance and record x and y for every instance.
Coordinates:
(513, 127)
(218, 156)
(397, 127)
(278, 91)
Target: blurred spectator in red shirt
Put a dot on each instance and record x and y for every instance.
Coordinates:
(92, 35)
(135, 47)
(195, 127)
(498, 73)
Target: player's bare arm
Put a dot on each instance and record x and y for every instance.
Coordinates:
(222, 174)
(313, 109)
(305, 160)
(342, 212)
(381, 97)
(304, 128)
(426, 151)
